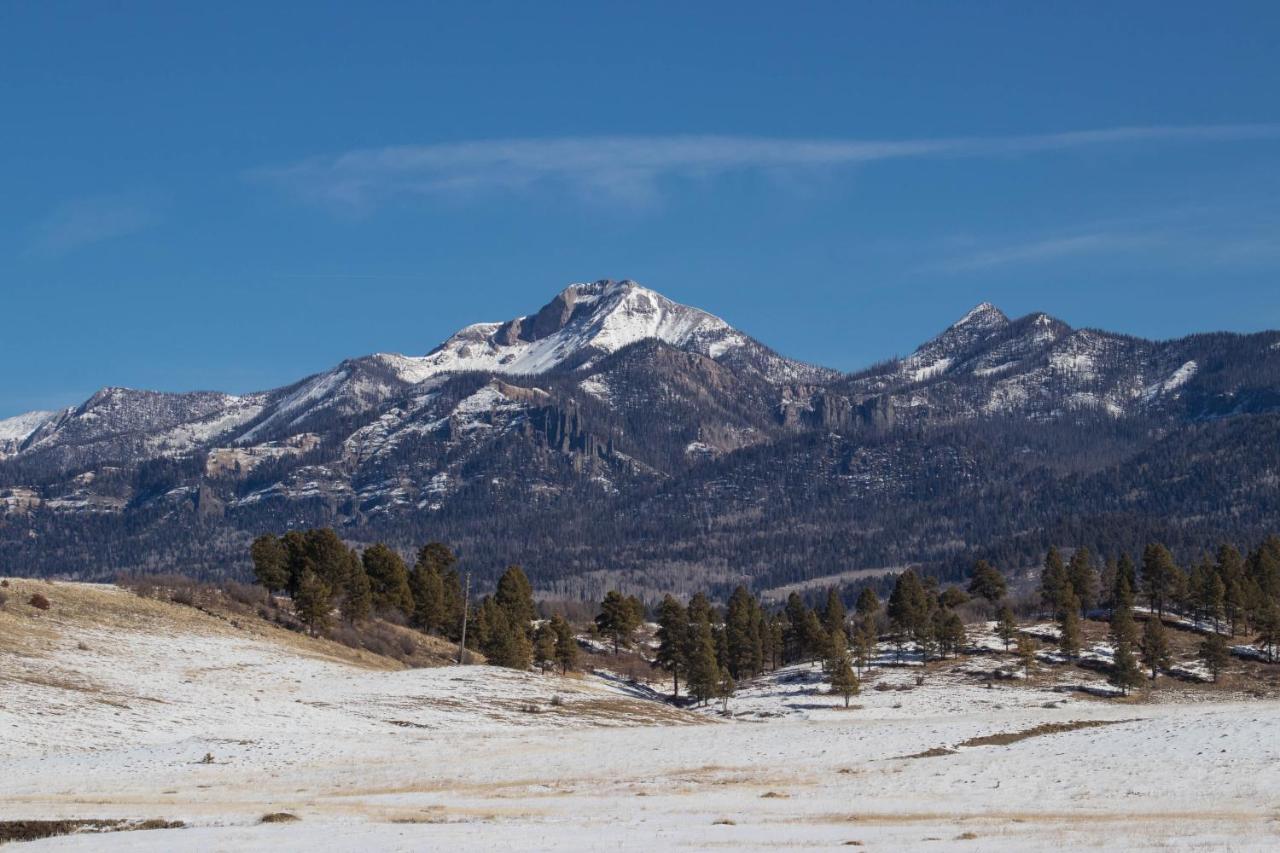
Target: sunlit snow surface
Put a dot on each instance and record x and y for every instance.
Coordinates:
(104, 722)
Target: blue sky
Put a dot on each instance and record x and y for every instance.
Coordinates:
(232, 196)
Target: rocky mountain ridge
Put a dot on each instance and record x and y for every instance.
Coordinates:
(616, 431)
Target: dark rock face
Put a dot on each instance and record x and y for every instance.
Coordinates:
(656, 445)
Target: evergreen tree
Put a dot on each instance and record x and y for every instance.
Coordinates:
(843, 680)
(908, 604)
(270, 562)
(704, 672)
(617, 619)
(1155, 646)
(864, 645)
(1214, 654)
(951, 635)
(777, 639)
(1006, 625)
(952, 597)
(724, 688)
(515, 595)
(1125, 673)
(313, 602)
(1027, 653)
(453, 604)
(1263, 568)
(1054, 582)
(816, 637)
(1268, 626)
(566, 644)
(741, 634)
(1069, 626)
(868, 604)
(544, 647)
(795, 640)
(388, 579)
(1126, 569)
(1229, 568)
(987, 582)
(427, 584)
(1158, 576)
(503, 638)
(673, 634)
(833, 615)
(1083, 579)
(357, 596)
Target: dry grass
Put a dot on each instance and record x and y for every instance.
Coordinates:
(32, 830)
(1006, 738)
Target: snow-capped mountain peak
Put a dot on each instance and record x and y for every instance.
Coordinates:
(983, 315)
(583, 321)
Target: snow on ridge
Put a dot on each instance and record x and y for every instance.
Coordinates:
(621, 313)
(984, 314)
(17, 429)
(1173, 382)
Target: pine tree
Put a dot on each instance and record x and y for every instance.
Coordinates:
(987, 582)
(1069, 626)
(388, 579)
(868, 604)
(544, 647)
(1125, 673)
(673, 632)
(1126, 569)
(502, 636)
(427, 584)
(795, 641)
(357, 596)
(1006, 625)
(1155, 646)
(1214, 654)
(816, 638)
(313, 602)
(908, 604)
(1054, 582)
(453, 605)
(864, 645)
(566, 644)
(724, 688)
(833, 615)
(843, 680)
(741, 637)
(1027, 653)
(270, 562)
(1268, 626)
(1158, 576)
(1083, 579)
(704, 672)
(951, 635)
(1230, 570)
(515, 595)
(617, 619)
(952, 597)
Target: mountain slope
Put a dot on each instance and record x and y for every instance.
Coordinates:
(614, 433)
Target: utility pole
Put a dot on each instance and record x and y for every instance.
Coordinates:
(466, 601)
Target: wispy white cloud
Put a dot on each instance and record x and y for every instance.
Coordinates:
(630, 169)
(1046, 249)
(84, 221)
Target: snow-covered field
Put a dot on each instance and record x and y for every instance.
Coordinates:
(108, 707)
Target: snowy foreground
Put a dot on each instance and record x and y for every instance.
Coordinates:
(113, 716)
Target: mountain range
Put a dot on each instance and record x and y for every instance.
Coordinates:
(618, 437)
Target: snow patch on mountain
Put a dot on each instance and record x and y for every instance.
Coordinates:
(17, 429)
(1173, 382)
(592, 319)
